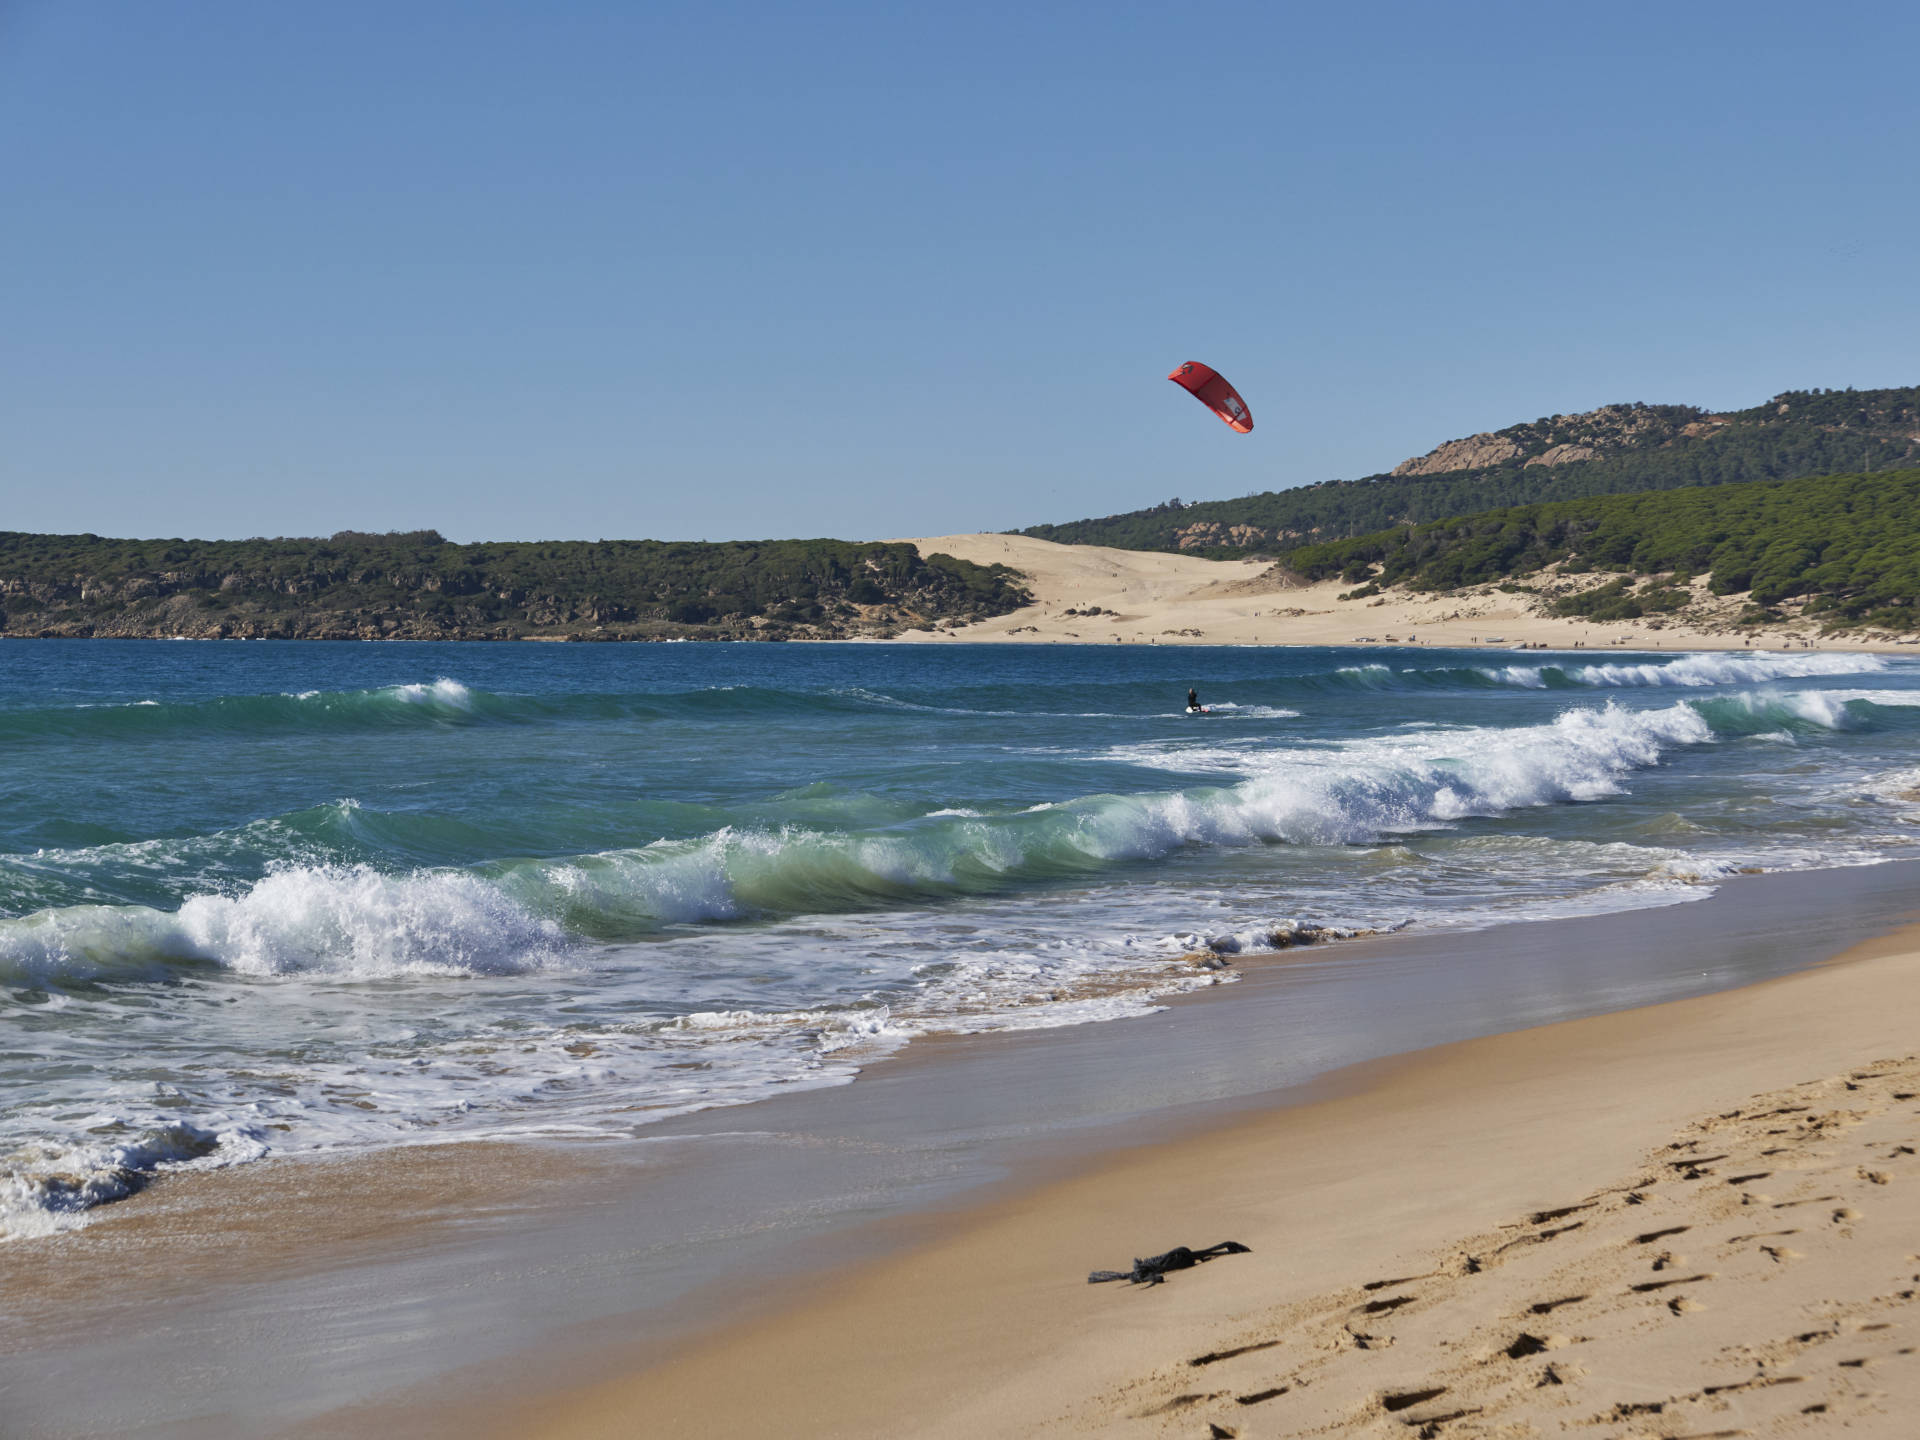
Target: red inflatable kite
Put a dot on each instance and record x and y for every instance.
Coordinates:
(1211, 389)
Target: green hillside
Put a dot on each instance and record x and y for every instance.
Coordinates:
(420, 586)
(1846, 546)
(1614, 450)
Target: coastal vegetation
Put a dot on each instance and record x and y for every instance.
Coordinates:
(1613, 450)
(1845, 548)
(418, 585)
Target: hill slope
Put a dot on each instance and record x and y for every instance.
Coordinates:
(1613, 450)
(1843, 547)
(419, 586)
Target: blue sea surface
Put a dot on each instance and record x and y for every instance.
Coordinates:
(280, 897)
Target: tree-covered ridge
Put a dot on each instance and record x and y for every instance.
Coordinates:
(418, 585)
(1848, 546)
(1634, 447)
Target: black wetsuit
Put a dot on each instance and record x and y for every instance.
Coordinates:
(1193, 699)
(1153, 1270)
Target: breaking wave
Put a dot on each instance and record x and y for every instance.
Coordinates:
(1690, 671)
(354, 922)
(351, 923)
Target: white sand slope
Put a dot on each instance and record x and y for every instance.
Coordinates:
(1154, 598)
(1144, 590)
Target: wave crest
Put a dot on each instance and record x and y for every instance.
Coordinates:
(356, 922)
(349, 921)
(1697, 670)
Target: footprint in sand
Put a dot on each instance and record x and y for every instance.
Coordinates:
(1525, 1345)
(1653, 1235)
(1541, 1217)
(1407, 1399)
(1547, 1307)
(1403, 1280)
(1648, 1285)
(1216, 1355)
(1261, 1396)
(1383, 1307)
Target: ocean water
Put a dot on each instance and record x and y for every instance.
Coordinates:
(264, 898)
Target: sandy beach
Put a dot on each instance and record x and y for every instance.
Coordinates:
(908, 1256)
(1691, 1219)
(1087, 594)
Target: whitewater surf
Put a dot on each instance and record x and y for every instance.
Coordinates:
(282, 899)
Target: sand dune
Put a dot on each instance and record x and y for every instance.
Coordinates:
(1154, 598)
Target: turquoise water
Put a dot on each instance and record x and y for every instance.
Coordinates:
(261, 898)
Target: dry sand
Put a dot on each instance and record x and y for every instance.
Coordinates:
(1155, 598)
(1696, 1219)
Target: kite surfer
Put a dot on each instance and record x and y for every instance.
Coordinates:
(1193, 703)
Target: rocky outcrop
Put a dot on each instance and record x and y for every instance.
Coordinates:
(1564, 455)
(1563, 439)
(1476, 452)
(1207, 534)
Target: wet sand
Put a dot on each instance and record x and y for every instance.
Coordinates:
(1695, 1219)
(492, 1288)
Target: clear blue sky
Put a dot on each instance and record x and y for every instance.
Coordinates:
(727, 270)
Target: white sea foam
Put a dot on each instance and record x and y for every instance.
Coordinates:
(47, 1188)
(1725, 668)
(350, 922)
(1362, 789)
(441, 692)
(1897, 699)
(1527, 677)
(1251, 712)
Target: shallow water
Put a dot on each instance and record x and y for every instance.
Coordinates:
(281, 898)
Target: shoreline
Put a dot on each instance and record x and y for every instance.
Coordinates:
(523, 1260)
(988, 1329)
